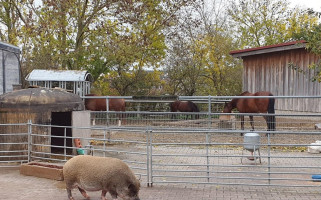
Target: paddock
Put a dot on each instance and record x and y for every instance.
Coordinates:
(204, 151)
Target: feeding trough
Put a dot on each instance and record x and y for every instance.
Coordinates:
(227, 122)
(43, 170)
(252, 143)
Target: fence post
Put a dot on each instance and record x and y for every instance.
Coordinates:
(29, 124)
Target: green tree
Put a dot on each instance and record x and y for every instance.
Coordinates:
(198, 62)
(313, 45)
(266, 22)
(117, 37)
(11, 20)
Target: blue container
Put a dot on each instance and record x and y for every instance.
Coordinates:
(80, 152)
(316, 177)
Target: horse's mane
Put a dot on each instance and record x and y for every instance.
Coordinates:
(245, 93)
(234, 101)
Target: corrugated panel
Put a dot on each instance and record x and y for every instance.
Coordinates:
(59, 75)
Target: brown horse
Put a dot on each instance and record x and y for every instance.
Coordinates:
(184, 106)
(255, 105)
(99, 104)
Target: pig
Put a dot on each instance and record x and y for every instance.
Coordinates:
(101, 173)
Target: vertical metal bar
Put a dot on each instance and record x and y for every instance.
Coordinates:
(208, 137)
(65, 143)
(107, 109)
(75, 90)
(269, 158)
(207, 158)
(147, 158)
(4, 72)
(209, 111)
(151, 157)
(105, 142)
(29, 139)
(254, 153)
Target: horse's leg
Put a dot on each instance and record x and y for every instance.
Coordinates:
(252, 122)
(173, 116)
(270, 123)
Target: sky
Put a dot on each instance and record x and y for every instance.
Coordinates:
(315, 4)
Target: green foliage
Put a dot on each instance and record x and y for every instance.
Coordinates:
(312, 37)
(267, 22)
(198, 60)
(138, 82)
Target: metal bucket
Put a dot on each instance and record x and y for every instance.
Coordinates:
(251, 141)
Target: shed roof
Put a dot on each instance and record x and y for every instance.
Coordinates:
(9, 47)
(40, 100)
(59, 75)
(269, 49)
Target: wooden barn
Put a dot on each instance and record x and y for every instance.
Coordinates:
(274, 68)
(10, 68)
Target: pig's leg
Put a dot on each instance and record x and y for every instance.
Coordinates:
(103, 194)
(83, 192)
(69, 194)
(113, 194)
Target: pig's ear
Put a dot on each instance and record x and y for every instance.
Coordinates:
(133, 189)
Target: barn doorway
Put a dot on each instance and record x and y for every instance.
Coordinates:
(61, 119)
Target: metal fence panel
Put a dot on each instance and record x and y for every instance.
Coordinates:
(195, 148)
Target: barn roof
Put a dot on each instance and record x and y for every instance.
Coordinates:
(59, 75)
(268, 49)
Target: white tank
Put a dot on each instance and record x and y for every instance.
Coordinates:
(251, 141)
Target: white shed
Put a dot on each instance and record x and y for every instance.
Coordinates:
(75, 81)
(10, 68)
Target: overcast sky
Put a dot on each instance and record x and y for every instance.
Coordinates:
(315, 4)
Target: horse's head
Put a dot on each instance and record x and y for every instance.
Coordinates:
(228, 107)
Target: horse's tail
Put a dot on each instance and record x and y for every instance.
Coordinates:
(171, 106)
(194, 109)
(271, 109)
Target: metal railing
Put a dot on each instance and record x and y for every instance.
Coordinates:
(191, 148)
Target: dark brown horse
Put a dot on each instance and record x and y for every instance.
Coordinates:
(99, 104)
(184, 106)
(255, 105)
